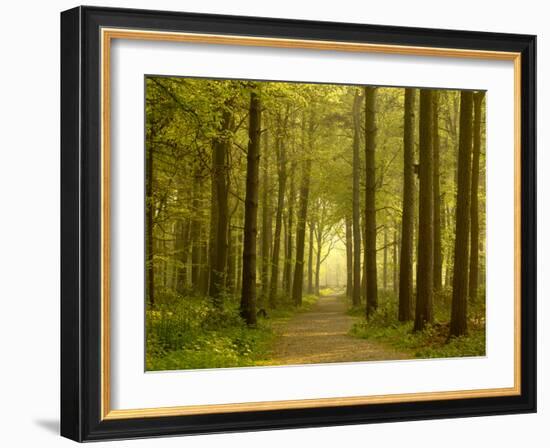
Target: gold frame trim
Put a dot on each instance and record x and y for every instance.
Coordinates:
(107, 35)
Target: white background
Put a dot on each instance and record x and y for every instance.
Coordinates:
(29, 226)
(133, 388)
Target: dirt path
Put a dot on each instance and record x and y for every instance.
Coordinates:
(320, 335)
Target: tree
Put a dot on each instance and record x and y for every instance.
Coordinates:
(349, 257)
(248, 293)
(459, 307)
(310, 258)
(182, 253)
(438, 256)
(149, 213)
(370, 203)
(266, 220)
(232, 250)
(281, 170)
(407, 223)
(385, 260)
(322, 237)
(287, 275)
(220, 207)
(424, 267)
(394, 260)
(196, 229)
(474, 202)
(356, 299)
(298, 281)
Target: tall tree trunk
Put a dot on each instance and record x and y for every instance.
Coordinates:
(438, 255)
(195, 232)
(425, 265)
(177, 229)
(385, 265)
(281, 168)
(318, 259)
(459, 309)
(287, 280)
(232, 251)
(163, 264)
(407, 224)
(349, 257)
(394, 261)
(364, 266)
(149, 216)
(182, 252)
(239, 253)
(248, 294)
(356, 297)
(474, 203)
(300, 235)
(450, 254)
(203, 263)
(218, 251)
(285, 249)
(444, 261)
(230, 283)
(370, 204)
(266, 217)
(310, 258)
(297, 283)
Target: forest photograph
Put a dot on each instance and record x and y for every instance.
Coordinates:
(296, 223)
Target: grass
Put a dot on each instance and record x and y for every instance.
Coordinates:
(187, 332)
(433, 342)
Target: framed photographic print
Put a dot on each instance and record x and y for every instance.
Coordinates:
(273, 223)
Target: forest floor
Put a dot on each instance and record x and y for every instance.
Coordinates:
(321, 335)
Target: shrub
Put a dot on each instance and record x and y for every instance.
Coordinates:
(433, 342)
(189, 332)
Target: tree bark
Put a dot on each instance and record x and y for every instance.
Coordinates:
(298, 281)
(449, 259)
(364, 266)
(424, 267)
(287, 275)
(370, 205)
(220, 214)
(281, 168)
(438, 255)
(195, 232)
(310, 258)
(248, 293)
(394, 261)
(459, 309)
(149, 215)
(203, 265)
(239, 253)
(407, 224)
(266, 218)
(230, 281)
(349, 257)
(232, 251)
(300, 235)
(385, 263)
(182, 252)
(318, 259)
(356, 297)
(474, 202)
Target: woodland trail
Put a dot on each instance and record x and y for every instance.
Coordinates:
(320, 335)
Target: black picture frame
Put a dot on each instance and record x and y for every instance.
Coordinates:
(81, 224)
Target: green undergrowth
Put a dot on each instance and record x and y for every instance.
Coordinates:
(188, 332)
(434, 341)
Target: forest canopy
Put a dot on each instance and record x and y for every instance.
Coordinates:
(266, 201)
